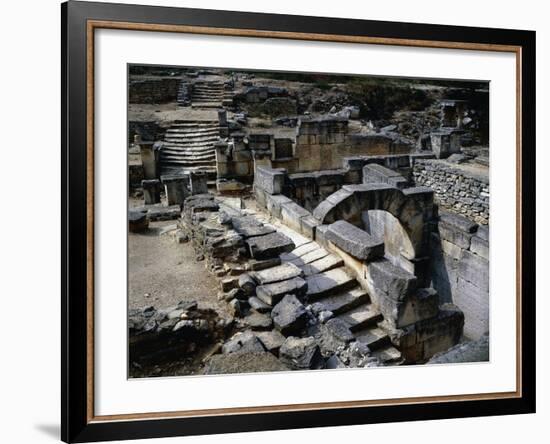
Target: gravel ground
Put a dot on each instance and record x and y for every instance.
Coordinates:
(162, 273)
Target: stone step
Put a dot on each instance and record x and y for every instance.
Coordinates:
(206, 105)
(299, 251)
(388, 355)
(188, 157)
(273, 293)
(374, 337)
(342, 302)
(360, 317)
(194, 124)
(191, 140)
(270, 245)
(276, 274)
(310, 257)
(188, 146)
(324, 264)
(197, 150)
(191, 131)
(329, 282)
(188, 162)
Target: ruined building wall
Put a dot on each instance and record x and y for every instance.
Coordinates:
(460, 269)
(456, 189)
(162, 90)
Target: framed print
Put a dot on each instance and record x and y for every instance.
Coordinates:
(276, 221)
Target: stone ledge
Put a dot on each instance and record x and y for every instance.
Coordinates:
(354, 241)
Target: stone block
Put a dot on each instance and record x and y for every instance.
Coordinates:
(274, 202)
(354, 241)
(249, 226)
(309, 226)
(137, 221)
(289, 315)
(300, 353)
(270, 245)
(460, 222)
(272, 340)
(276, 274)
(480, 247)
(474, 268)
(395, 282)
(151, 191)
(176, 187)
(292, 213)
(198, 183)
(454, 235)
(321, 234)
(273, 293)
(270, 180)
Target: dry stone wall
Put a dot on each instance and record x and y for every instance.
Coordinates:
(456, 189)
(161, 90)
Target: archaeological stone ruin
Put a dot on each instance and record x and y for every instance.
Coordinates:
(283, 221)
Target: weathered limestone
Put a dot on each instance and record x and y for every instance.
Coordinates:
(271, 340)
(300, 353)
(329, 282)
(148, 159)
(289, 315)
(276, 274)
(270, 245)
(270, 180)
(176, 188)
(354, 241)
(342, 302)
(373, 173)
(272, 293)
(249, 226)
(151, 191)
(198, 183)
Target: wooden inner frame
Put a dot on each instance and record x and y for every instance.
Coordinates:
(98, 24)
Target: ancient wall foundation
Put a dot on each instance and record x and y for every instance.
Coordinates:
(161, 90)
(456, 188)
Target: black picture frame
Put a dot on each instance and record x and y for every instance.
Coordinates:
(76, 423)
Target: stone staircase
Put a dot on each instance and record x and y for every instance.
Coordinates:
(189, 146)
(330, 287)
(208, 94)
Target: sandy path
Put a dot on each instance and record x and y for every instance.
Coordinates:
(162, 273)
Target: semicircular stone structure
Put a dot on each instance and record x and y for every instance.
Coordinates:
(412, 207)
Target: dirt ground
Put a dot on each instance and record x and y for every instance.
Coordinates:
(162, 273)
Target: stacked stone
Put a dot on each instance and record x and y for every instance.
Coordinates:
(161, 90)
(455, 189)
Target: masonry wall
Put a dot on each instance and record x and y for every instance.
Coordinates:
(162, 90)
(456, 189)
(460, 269)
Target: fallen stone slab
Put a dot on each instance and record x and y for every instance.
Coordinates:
(272, 293)
(276, 274)
(258, 321)
(255, 362)
(249, 226)
(388, 355)
(300, 353)
(247, 283)
(358, 243)
(272, 340)
(289, 315)
(270, 245)
(332, 281)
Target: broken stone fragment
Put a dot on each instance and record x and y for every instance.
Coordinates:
(247, 284)
(334, 335)
(358, 243)
(289, 315)
(258, 321)
(258, 305)
(229, 283)
(272, 340)
(300, 353)
(249, 226)
(243, 342)
(270, 245)
(272, 293)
